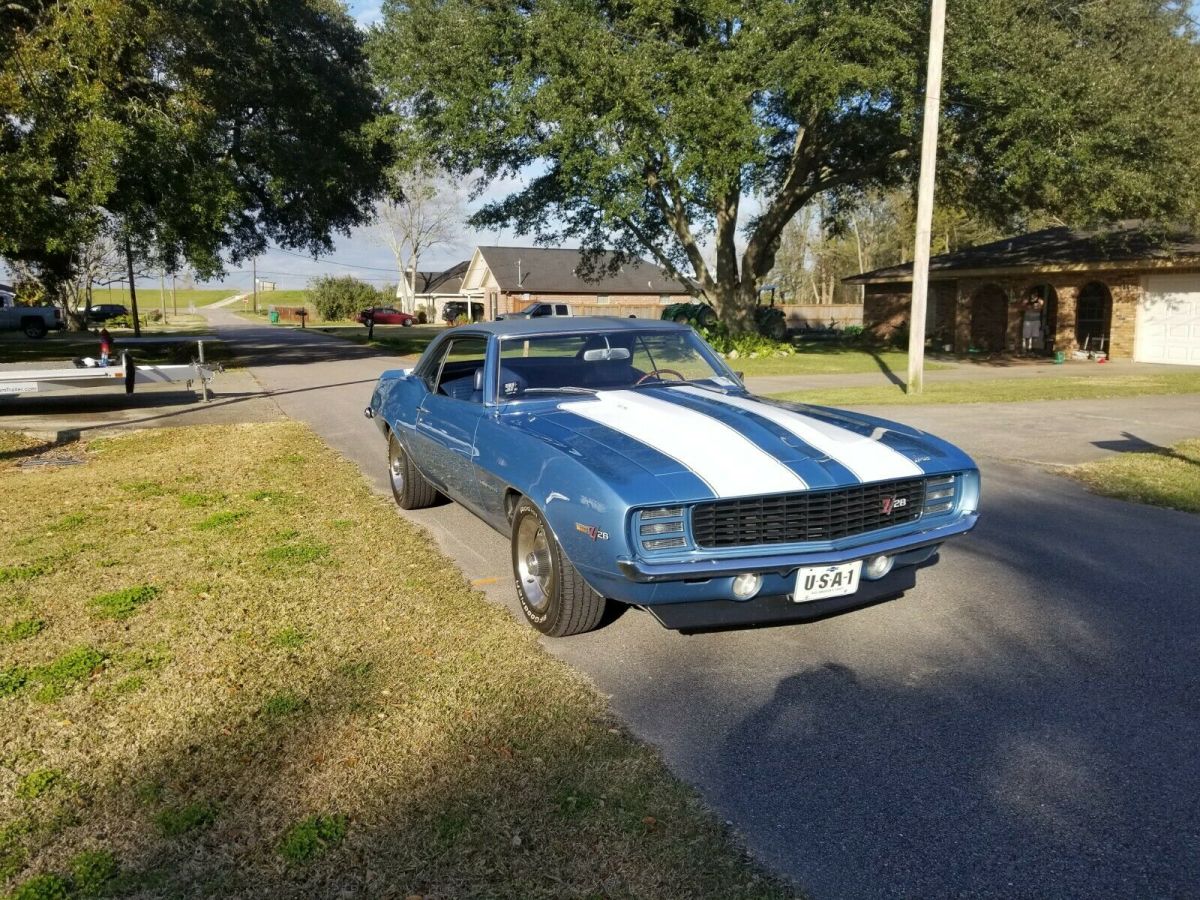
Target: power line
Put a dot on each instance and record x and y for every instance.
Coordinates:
(330, 262)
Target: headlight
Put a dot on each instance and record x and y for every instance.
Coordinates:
(746, 585)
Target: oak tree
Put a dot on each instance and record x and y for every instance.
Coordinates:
(696, 129)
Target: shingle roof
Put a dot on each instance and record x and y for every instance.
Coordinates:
(546, 270)
(447, 282)
(1055, 247)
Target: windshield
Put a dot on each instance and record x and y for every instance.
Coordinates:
(618, 360)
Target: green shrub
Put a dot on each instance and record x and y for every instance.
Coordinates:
(12, 680)
(311, 837)
(341, 297)
(852, 333)
(744, 346)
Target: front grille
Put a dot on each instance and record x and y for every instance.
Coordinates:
(807, 516)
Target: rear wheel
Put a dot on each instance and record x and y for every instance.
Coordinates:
(409, 486)
(34, 328)
(554, 597)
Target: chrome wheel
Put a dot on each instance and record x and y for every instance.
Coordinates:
(535, 564)
(396, 466)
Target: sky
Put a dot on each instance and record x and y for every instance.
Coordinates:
(361, 253)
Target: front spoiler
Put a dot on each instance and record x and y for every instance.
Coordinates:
(710, 615)
(644, 572)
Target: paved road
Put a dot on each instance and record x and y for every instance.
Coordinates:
(1024, 724)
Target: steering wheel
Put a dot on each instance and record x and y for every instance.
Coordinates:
(657, 373)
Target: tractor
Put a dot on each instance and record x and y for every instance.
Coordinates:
(768, 318)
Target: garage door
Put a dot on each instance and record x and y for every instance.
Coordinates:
(1168, 321)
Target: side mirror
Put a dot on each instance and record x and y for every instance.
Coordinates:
(741, 376)
(479, 379)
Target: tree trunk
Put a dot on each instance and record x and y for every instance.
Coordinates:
(735, 304)
(137, 325)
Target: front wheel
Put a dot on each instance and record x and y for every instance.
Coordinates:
(409, 486)
(776, 329)
(34, 328)
(554, 597)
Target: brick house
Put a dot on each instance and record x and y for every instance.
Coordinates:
(1131, 291)
(506, 279)
(432, 289)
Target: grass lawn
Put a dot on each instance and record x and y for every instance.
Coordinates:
(1168, 477)
(230, 669)
(63, 346)
(148, 297)
(1007, 390)
(828, 359)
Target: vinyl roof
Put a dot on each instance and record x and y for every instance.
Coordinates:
(1128, 242)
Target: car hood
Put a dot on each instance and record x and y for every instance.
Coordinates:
(697, 443)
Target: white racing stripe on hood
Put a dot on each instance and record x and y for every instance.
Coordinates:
(728, 462)
(868, 459)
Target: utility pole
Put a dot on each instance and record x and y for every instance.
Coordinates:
(254, 275)
(162, 293)
(929, 135)
(174, 299)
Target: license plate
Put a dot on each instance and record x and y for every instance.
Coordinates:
(819, 582)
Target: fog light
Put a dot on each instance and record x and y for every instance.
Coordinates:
(877, 566)
(746, 585)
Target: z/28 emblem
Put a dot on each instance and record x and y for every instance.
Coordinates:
(591, 531)
(891, 504)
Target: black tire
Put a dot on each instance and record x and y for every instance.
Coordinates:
(707, 317)
(34, 328)
(556, 601)
(409, 486)
(776, 329)
(407, 323)
(681, 318)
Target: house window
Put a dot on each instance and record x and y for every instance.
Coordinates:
(665, 299)
(603, 300)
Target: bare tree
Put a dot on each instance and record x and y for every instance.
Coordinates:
(98, 263)
(429, 213)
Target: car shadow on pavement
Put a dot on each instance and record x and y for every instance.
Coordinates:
(1023, 724)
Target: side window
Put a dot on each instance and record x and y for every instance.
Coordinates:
(542, 310)
(560, 309)
(454, 374)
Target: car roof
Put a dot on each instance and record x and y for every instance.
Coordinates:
(573, 325)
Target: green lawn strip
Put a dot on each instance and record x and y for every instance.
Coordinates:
(149, 298)
(1006, 390)
(64, 346)
(1168, 477)
(827, 359)
(302, 703)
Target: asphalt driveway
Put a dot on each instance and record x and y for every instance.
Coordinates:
(1024, 724)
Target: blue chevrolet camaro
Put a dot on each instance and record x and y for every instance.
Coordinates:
(626, 462)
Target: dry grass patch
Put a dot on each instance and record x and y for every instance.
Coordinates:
(309, 703)
(1168, 477)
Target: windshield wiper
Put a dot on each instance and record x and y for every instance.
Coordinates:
(565, 389)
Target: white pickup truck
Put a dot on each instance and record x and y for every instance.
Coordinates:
(35, 321)
(538, 310)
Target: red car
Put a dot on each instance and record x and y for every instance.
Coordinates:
(386, 315)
